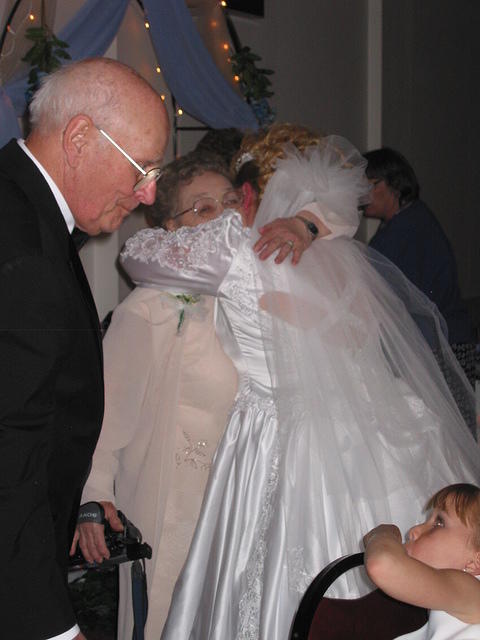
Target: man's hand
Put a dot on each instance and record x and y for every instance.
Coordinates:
(287, 235)
(91, 538)
(80, 637)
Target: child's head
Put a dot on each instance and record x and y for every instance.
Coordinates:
(450, 537)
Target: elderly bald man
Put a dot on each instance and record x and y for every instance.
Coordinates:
(98, 135)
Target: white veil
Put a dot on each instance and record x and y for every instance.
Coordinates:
(369, 429)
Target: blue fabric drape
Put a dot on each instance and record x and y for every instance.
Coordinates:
(189, 70)
(8, 121)
(89, 33)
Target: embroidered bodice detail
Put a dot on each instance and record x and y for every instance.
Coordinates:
(194, 453)
(247, 399)
(185, 250)
(241, 290)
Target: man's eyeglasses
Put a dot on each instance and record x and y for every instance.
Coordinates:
(208, 207)
(146, 177)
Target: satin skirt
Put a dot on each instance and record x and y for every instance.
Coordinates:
(229, 569)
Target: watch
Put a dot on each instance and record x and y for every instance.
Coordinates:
(311, 226)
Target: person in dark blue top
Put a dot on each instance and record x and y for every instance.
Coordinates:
(412, 238)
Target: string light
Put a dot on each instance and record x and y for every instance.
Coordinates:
(223, 3)
(158, 70)
(14, 33)
(179, 111)
(225, 46)
(163, 97)
(147, 24)
(236, 78)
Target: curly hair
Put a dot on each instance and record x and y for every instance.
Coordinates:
(266, 148)
(176, 174)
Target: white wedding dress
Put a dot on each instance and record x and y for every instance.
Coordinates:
(342, 419)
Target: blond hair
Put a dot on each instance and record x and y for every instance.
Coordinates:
(268, 146)
(465, 499)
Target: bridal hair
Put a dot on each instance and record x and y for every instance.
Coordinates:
(266, 148)
(465, 499)
(179, 172)
(94, 87)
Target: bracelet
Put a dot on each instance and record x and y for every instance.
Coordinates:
(91, 512)
(311, 226)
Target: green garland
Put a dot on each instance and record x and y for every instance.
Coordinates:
(254, 83)
(46, 54)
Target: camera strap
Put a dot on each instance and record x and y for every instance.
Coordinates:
(139, 599)
(91, 512)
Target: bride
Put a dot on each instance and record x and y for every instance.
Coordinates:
(342, 419)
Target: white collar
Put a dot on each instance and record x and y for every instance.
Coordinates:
(62, 203)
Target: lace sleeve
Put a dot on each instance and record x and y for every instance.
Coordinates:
(190, 260)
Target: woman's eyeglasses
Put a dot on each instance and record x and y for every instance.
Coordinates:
(208, 207)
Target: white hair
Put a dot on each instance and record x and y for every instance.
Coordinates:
(92, 87)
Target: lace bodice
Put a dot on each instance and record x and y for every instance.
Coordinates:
(191, 260)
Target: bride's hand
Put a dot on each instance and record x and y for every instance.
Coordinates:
(285, 235)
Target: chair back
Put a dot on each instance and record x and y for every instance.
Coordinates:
(375, 616)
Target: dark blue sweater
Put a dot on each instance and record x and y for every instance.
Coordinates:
(414, 241)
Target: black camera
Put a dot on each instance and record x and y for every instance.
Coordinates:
(124, 546)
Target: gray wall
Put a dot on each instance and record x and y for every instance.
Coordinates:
(431, 107)
(317, 49)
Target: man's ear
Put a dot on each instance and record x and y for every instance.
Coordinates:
(249, 203)
(473, 565)
(248, 194)
(76, 137)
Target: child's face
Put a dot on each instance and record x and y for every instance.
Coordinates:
(442, 542)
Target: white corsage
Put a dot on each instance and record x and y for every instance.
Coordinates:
(185, 303)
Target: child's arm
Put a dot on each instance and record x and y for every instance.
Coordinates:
(404, 578)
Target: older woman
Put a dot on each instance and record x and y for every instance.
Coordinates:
(342, 418)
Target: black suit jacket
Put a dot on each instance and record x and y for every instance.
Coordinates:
(51, 399)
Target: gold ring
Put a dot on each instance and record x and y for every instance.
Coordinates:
(290, 243)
